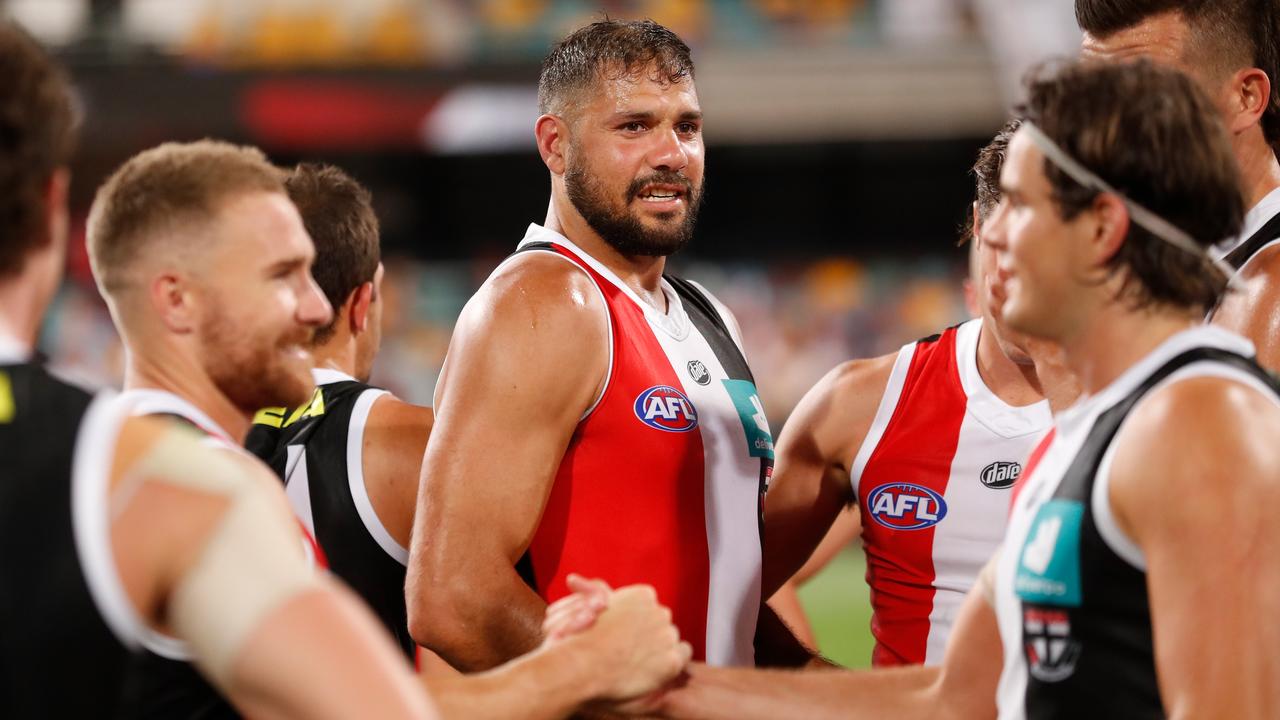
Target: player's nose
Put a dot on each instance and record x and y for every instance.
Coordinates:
(313, 307)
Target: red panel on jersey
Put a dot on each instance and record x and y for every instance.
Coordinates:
(913, 457)
(627, 503)
(1032, 462)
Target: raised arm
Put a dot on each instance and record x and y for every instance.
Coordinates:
(1204, 519)
(528, 357)
(208, 550)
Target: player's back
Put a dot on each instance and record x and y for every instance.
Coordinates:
(317, 449)
(932, 480)
(59, 656)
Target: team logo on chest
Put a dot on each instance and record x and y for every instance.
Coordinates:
(904, 506)
(699, 372)
(663, 407)
(1000, 475)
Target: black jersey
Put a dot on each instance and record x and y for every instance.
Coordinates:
(317, 449)
(1072, 598)
(1242, 253)
(66, 630)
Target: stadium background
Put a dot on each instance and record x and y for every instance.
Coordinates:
(839, 136)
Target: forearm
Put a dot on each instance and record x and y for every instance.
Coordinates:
(551, 682)
(776, 645)
(743, 694)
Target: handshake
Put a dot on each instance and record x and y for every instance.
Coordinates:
(631, 651)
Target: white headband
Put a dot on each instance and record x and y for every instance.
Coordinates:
(1150, 221)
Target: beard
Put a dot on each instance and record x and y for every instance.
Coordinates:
(621, 228)
(250, 370)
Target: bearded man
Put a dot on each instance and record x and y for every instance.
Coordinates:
(596, 416)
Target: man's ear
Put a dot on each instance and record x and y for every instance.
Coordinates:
(1111, 228)
(171, 297)
(359, 301)
(1248, 99)
(551, 132)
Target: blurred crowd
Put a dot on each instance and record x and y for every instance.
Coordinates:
(798, 319)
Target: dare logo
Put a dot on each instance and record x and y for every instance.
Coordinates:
(1000, 475)
(663, 407)
(904, 506)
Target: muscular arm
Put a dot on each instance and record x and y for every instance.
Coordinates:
(527, 358)
(1254, 309)
(963, 687)
(206, 548)
(811, 479)
(1204, 519)
(395, 438)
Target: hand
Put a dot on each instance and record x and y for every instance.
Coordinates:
(634, 647)
(574, 613)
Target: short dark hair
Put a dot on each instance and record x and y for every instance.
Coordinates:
(37, 136)
(986, 176)
(610, 49)
(338, 214)
(1155, 136)
(1245, 33)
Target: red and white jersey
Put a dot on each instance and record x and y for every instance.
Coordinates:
(932, 480)
(662, 480)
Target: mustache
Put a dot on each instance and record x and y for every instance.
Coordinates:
(661, 177)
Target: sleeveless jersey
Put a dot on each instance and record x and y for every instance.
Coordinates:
(1267, 234)
(317, 450)
(163, 683)
(663, 478)
(68, 629)
(1071, 590)
(932, 482)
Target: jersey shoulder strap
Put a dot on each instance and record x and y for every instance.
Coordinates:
(1085, 467)
(1267, 233)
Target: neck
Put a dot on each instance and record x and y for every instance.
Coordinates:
(337, 354)
(167, 369)
(1116, 338)
(1259, 168)
(1016, 384)
(20, 310)
(641, 273)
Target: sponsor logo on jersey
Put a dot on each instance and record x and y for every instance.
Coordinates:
(1000, 475)
(6, 399)
(1050, 649)
(904, 506)
(699, 372)
(1049, 562)
(663, 407)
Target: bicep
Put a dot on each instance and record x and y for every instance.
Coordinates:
(1202, 517)
(516, 383)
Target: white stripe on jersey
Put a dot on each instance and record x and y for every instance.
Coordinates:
(1073, 427)
(992, 430)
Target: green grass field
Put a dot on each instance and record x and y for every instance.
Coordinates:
(837, 604)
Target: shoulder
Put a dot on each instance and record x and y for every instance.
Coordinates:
(1194, 437)
(844, 402)
(537, 293)
(392, 418)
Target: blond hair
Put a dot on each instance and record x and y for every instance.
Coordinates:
(168, 192)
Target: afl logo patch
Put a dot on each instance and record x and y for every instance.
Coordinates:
(699, 372)
(663, 407)
(904, 506)
(1000, 475)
